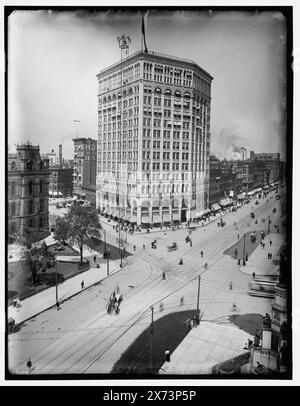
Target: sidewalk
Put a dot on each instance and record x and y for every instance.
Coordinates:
(44, 300)
(205, 346)
(258, 262)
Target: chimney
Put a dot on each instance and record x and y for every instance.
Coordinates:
(60, 156)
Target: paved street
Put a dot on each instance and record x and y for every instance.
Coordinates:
(82, 338)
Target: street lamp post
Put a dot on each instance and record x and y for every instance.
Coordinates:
(244, 250)
(151, 340)
(56, 287)
(198, 295)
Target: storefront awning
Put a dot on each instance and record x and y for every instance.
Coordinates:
(241, 195)
(175, 216)
(215, 207)
(199, 213)
(156, 218)
(145, 219)
(225, 202)
(166, 216)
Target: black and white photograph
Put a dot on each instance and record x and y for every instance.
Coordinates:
(149, 192)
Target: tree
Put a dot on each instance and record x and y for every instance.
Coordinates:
(38, 259)
(78, 226)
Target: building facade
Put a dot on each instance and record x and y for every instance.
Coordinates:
(230, 178)
(28, 191)
(153, 139)
(61, 182)
(85, 169)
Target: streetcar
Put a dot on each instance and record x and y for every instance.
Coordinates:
(262, 288)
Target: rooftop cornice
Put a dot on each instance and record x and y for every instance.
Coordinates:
(154, 56)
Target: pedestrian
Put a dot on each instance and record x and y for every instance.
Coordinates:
(95, 258)
(234, 307)
(235, 253)
(57, 305)
(29, 365)
(194, 321)
(161, 307)
(264, 245)
(270, 243)
(230, 285)
(253, 275)
(163, 275)
(201, 254)
(82, 284)
(180, 262)
(134, 248)
(261, 243)
(191, 244)
(165, 235)
(246, 257)
(181, 301)
(238, 236)
(143, 246)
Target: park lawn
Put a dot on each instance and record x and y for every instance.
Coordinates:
(99, 246)
(20, 278)
(249, 246)
(168, 333)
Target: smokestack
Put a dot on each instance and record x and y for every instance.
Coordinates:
(60, 156)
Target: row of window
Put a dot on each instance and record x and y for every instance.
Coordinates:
(131, 166)
(13, 208)
(156, 166)
(165, 155)
(30, 188)
(30, 223)
(125, 155)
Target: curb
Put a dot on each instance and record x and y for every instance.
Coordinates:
(69, 297)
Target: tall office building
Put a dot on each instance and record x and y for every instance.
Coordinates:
(84, 169)
(28, 191)
(153, 139)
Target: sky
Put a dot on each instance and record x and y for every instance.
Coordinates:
(53, 59)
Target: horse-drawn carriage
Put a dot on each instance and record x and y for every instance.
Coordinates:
(114, 301)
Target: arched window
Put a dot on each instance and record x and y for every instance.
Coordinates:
(30, 207)
(168, 92)
(29, 165)
(177, 94)
(13, 209)
(12, 165)
(12, 228)
(187, 95)
(158, 90)
(30, 188)
(13, 188)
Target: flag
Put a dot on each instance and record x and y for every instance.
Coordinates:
(143, 34)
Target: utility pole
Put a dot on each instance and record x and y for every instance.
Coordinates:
(105, 243)
(244, 249)
(107, 262)
(151, 340)
(198, 295)
(56, 289)
(268, 224)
